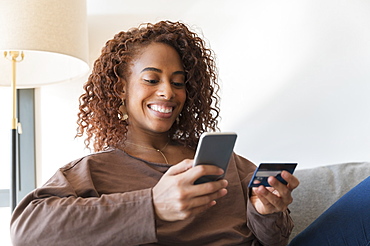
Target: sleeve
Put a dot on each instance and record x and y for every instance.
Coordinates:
(272, 229)
(56, 214)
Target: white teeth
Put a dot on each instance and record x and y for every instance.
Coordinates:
(161, 109)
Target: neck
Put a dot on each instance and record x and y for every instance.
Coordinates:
(154, 141)
(146, 147)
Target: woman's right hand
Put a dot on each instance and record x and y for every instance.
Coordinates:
(175, 196)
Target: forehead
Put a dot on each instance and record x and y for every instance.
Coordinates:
(157, 55)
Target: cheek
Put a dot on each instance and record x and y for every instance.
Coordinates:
(138, 93)
(182, 97)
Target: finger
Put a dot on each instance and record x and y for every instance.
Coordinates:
(208, 188)
(278, 201)
(273, 191)
(262, 193)
(206, 199)
(180, 167)
(202, 170)
(199, 204)
(283, 190)
(293, 182)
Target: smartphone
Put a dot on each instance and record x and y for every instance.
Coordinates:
(266, 170)
(214, 148)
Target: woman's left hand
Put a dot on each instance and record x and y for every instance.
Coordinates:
(268, 200)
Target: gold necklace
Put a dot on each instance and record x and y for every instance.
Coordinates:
(158, 150)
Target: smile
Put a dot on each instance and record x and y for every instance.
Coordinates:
(161, 109)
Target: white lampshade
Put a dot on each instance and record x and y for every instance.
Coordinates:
(53, 36)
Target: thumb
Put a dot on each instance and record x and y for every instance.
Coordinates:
(181, 167)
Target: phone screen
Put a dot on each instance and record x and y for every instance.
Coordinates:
(214, 148)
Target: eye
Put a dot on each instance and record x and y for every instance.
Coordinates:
(151, 81)
(179, 85)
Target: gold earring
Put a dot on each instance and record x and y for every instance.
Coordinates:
(123, 112)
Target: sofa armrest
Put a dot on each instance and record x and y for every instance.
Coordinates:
(320, 187)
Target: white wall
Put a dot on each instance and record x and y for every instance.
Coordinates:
(295, 77)
(56, 116)
(296, 81)
(5, 136)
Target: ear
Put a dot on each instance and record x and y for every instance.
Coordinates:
(124, 88)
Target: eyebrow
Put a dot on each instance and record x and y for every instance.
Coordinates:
(151, 69)
(160, 71)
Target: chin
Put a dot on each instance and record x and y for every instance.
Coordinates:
(160, 129)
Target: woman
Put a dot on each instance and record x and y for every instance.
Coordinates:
(151, 94)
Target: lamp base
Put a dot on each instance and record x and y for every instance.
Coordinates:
(14, 161)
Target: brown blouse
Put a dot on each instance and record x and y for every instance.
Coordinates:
(106, 199)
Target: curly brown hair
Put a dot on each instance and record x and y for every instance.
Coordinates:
(99, 105)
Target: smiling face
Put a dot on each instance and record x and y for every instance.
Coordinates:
(155, 90)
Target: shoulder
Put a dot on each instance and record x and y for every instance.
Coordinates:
(109, 156)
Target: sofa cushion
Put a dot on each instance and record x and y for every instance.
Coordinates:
(320, 187)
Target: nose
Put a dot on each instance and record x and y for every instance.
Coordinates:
(165, 90)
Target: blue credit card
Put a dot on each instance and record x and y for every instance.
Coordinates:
(266, 170)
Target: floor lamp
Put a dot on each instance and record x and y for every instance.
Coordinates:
(46, 42)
